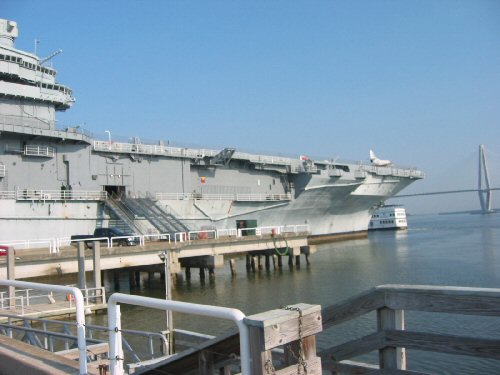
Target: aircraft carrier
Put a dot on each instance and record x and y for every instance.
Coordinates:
(55, 182)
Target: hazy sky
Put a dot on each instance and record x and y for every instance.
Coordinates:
(417, 81)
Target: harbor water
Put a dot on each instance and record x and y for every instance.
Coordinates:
(454, 250)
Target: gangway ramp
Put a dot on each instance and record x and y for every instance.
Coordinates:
(149, 210)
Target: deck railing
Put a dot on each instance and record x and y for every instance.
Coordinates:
(27, 301)
(229, 197)
(391, 339)
(54, 195)
(55, 244)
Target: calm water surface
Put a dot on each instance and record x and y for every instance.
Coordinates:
(459, 250)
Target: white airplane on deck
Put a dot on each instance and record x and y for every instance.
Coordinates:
(379, 162)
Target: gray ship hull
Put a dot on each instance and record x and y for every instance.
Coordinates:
(55, 182)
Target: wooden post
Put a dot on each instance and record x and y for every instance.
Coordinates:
(252, 263)
(268, 264)
(116, 279)
(82, 281)
(391, 358)
(248, 261)
(131, 279)
(232, 265)
(275, 261)
(281, 328)
(280, 262)
(260, 263)
(297, 260)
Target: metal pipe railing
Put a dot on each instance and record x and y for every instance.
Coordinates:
(80, 314)
(114, 324)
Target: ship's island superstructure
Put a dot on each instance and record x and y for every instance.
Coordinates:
(59, 181)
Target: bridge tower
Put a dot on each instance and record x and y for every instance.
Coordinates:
(485, 192)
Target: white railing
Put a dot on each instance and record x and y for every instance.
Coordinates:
(134, 148)
(119, 239)
(54, 195)
(114, 324)
(55, 244)
(2, 170)
(230, 197)
(156, 236)
(79, 307)
(393, 171)
(34, 243)
(263, 197)
(45, 151)
(25, 300)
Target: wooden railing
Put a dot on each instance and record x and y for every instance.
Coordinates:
(391, 338)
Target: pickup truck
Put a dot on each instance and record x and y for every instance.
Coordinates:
(107, 233)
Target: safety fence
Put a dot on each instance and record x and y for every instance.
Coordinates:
(54, 195)
(55, 244)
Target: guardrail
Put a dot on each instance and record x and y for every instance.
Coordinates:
(229, 197)
(35, 150)
(79, 308)
(26, 301)
(392, 339)
(55, 244)
(54, 195)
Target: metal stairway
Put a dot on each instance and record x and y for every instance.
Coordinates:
(146, 208)
(126, 218)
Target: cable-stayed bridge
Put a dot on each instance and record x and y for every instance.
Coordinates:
(484, 188)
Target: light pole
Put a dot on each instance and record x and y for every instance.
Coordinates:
(168, 296)
(109, 135)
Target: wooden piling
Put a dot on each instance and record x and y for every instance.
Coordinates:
(232, 265)
(297, 260)
(188, 273)
(268, 265)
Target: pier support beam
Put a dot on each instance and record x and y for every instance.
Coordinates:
(232, 265)
(80, 251)
(11, 275)
(96, 253)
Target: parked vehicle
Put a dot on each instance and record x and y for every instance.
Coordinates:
(3, 250)
(120, 238)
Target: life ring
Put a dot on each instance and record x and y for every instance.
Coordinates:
(70, 297)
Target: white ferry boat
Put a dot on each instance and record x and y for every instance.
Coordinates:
(389, 217)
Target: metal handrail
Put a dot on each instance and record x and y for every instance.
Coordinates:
(56, 243)
(114, 324)
(80, 315)
(231, 197)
